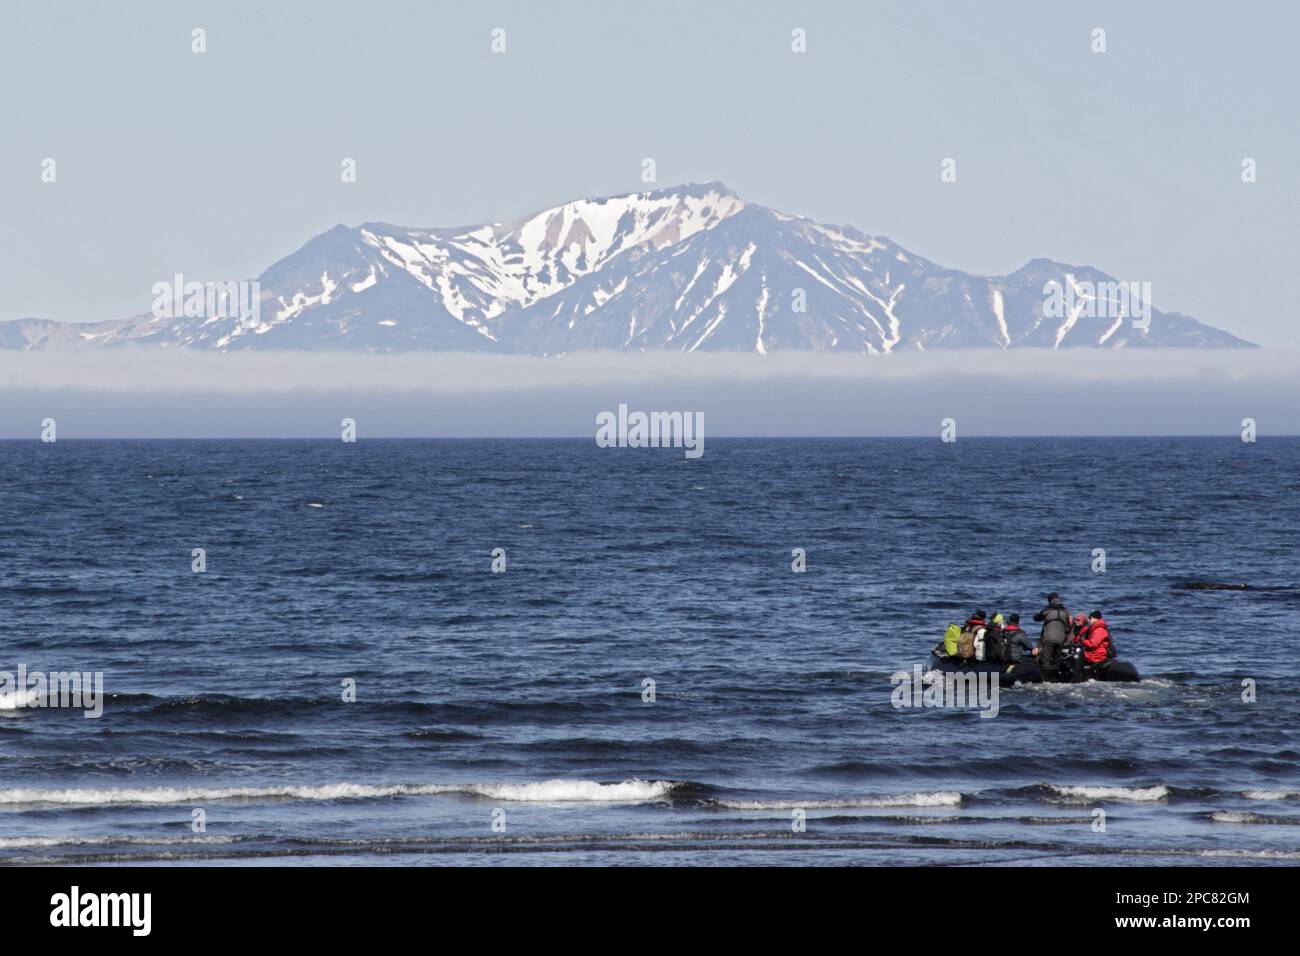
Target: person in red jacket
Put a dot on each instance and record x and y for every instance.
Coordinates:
(1096, 640)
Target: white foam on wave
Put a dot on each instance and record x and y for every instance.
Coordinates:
(20, 843)
(171, 795)
(1271, 794)
(1243, 816)
(1232, 816)
(1145, 689)
(942, 798)
(1253, 854)
(548, 791)
(577, 791)
(18, 701)
(1136, 794)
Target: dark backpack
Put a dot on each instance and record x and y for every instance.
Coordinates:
(995, 644)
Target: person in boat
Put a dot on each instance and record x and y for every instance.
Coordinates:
(971, 630)
(1056, 631)
(951, 646)
(993, 639)
(1016, 641)
(1097, 646)
(1080, 625)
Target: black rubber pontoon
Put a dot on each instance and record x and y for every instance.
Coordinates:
(1025, 672)
(1028, 672)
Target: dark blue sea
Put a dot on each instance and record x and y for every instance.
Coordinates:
(505, 717)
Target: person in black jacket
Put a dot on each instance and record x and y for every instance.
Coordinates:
(1056, 631)
(1016, 641)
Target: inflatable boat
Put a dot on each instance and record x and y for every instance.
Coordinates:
(1028, 672)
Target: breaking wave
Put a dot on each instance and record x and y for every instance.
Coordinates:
(548, 791)
(1087, 794)
(942, 798)
(1242, 816)
(1271, 794)
(45, 842)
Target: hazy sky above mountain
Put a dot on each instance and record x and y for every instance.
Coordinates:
(217, 164)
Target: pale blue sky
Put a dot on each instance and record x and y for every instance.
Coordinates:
(216, 165)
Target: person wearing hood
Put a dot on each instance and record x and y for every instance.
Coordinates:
(1056, 631)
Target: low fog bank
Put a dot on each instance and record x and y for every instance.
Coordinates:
(161, 393)
(172, 370)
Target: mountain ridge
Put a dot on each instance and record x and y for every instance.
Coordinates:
(682, 268)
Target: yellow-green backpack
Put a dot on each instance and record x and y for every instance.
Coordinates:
(950, 638)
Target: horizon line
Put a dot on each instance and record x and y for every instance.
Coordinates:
(335, 438)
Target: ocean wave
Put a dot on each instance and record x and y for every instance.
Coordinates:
(577, 791)
(409, 577)
(1245, 816)
(13, 700)
(1271, 794)
(223, 707)
(1088, 794)
(442, 735)
(192, 850)
(942, 798)
(547, 791)
(44, 842)
(1148, 688)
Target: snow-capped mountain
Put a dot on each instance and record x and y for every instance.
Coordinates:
(685, 269)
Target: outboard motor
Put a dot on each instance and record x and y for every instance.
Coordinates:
(1070, 664)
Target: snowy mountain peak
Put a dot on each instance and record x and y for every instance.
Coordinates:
(684, 268)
